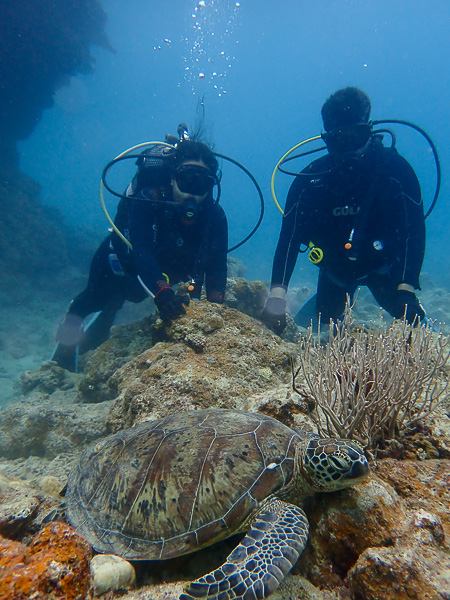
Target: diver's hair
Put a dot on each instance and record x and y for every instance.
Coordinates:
(345, 107)
(195, 150)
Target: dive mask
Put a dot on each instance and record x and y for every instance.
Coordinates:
(194, 180)
(347, 139)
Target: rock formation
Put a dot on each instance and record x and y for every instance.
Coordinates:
(386, 539)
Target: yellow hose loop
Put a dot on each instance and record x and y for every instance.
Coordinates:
(272, 180)
(102, 199)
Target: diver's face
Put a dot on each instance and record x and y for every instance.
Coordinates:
(351, 142)
(192, 181)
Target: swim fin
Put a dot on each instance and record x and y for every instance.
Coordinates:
(66, 357)
(97, 330)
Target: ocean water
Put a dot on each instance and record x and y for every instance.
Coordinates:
(258, 73)
(261, 70)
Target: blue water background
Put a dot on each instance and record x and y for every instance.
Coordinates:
(268, 67)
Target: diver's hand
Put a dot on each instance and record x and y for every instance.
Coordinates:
(274, 314)
(169, 305)
(408, 305)
(70, 330)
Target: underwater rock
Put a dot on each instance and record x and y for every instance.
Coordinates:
(51, 486)
(19, 505)
(27, 243)
(235, 267)
(250, 297)
(382, 541)
(247, 296)
(282, 404)
(126, 342)
(46, 427)
(411, 569)
(47, 378)
(43, 46)
(54, 565)
(344, 524)
(110, 572)
(25, 507)
(421, 485)
(239, 357)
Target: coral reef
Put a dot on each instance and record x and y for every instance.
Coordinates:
(126, 343)
(54, 565)
(374, 384)
(42, 46)
(212, 356)
(30, 229)
(385, 539)
(44, 427)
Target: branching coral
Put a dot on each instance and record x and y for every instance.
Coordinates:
(373, 384)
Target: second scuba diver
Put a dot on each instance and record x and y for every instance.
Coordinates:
(177, 232)
(358, 210)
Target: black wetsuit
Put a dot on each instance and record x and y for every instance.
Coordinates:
(163, 249)
(375, 208)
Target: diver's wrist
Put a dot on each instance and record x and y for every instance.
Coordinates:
(278, 291)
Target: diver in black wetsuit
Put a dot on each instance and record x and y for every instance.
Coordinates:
(359, 210)
(177, 233)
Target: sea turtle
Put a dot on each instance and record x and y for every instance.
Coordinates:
(172, 486)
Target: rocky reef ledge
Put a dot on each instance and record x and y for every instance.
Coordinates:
(386, 539)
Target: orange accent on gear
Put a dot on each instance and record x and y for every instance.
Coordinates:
(347, 246)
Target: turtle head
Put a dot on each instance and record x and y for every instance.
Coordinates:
(331, 464)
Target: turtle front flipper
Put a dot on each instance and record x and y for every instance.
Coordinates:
(257, 566)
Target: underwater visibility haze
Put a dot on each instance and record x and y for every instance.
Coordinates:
(81, 83)
(255, 74)
(262, 71)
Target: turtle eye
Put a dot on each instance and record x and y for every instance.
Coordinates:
(339, 462)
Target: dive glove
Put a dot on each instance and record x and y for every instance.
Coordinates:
(170, 305)
(274, 314)
(408, 305)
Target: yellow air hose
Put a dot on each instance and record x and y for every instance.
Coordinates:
(272, 181)
(102, 199)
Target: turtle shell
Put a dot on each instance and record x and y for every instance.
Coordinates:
(171, 486)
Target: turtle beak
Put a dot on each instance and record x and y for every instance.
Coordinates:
(359, 471)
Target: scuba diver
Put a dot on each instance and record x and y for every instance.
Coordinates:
(358, 211)
(168, 228)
